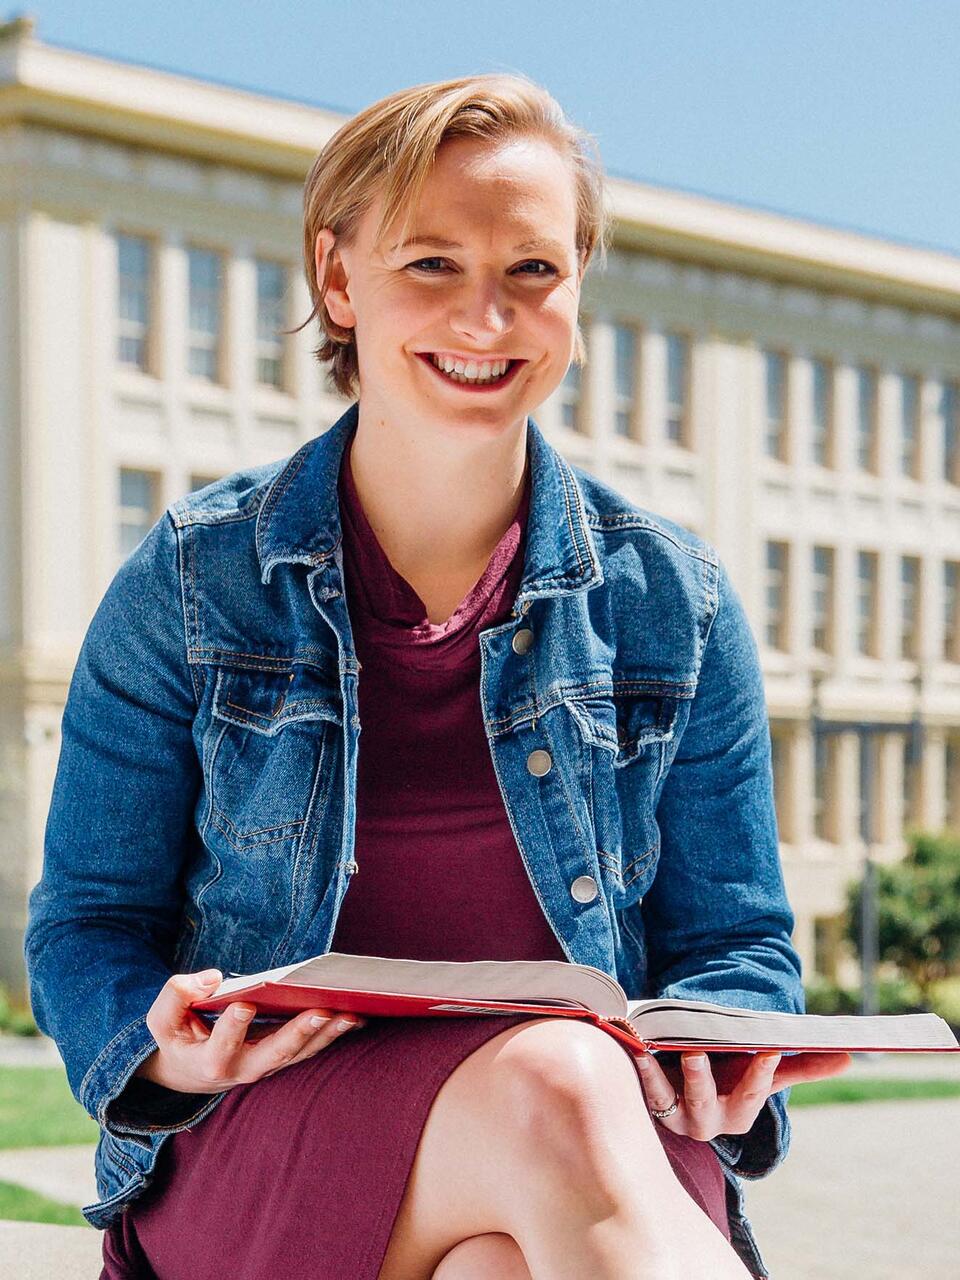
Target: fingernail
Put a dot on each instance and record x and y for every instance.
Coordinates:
(643, 1062)
(317, 1021)
(696, 1062)
(241, 1014)
(209, 977)
(344, 1024)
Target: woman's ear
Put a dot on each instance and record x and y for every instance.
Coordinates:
(336, 299)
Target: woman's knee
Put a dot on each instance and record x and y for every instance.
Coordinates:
(493, 1256)
(568, 1089)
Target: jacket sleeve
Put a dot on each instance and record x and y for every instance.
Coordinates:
(104, 917)
(719, 847)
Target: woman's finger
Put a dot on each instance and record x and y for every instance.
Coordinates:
(323, 1037)
(658, 1090)
(286, 1044)
(745, 1102)
(699, 1096)
(797, 1067)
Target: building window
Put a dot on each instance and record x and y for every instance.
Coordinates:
(206, 314)
(822, 630)
(571, 406)
(866, 602)
(678, 383)
(271, 287)
(823, 752)
(951, 782)
(625, 365)
(866, 418)
(909, 605)
(139, 500)
(200, 481)
(822, 438)
(950, 416)
(911, 780)
(133, 301)
(776, 595)
(910, 426)
(951, 599)
(779, 764)
(775, 405)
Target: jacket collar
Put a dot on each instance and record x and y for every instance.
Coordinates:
(299, 519)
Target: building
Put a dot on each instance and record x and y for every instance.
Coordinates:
(788, 391)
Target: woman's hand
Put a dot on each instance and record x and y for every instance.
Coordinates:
(194, 1058)
(727, 1095)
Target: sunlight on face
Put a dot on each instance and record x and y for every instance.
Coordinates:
(505, 284)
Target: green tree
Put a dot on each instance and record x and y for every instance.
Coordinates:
(918, 911)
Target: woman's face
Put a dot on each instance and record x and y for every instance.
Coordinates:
(505, 285)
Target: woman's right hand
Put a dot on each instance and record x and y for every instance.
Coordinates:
(195, 1058)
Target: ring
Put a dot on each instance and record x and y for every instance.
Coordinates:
(663, 1115)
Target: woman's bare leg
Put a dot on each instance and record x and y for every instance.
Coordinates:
(542, 1134)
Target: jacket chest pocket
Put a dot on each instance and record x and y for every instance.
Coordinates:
(274, 735)
(625, 736)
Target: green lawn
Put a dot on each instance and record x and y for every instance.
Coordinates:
(20, 1205)
(837, 1089)
(37, 1109)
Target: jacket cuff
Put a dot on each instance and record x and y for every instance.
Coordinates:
(129, 1105)
(758, 1152)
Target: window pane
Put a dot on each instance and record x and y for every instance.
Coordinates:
(776, 594)
(138, 500)
(949, 408)
(205, 311)
(909, 605)
(822, 597)
(270, 299)
(775, 407)
(910, 402)
(677, 356)
(821, 412)
(866, 396)
(133, 300)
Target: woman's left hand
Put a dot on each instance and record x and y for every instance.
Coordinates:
(727, 1094)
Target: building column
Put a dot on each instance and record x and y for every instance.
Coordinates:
(846, 796)
(598, 389)
(931, 797)
(889, 792)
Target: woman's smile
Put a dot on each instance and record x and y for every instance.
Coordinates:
(472, 374)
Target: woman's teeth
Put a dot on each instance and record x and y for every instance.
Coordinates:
(470, 370)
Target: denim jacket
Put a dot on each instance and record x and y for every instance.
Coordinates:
(204, 802)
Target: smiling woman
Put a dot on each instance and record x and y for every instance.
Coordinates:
(564, 755)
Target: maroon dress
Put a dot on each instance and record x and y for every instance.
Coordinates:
(301, 1174)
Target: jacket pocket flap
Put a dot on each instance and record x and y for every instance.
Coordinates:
(265, 701)
(625, 723)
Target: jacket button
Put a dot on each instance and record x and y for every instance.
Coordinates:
(584, 889)
(523, 640)
(539, 763)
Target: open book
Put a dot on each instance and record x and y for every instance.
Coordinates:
(384, 987)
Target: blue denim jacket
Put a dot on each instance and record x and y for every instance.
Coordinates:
(204, 803)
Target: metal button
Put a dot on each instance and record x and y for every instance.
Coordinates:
(522, 640)
(584, 889)
(539, 763)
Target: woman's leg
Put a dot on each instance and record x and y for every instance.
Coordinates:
(542, 1134)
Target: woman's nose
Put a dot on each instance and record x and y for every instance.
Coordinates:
(482, 310)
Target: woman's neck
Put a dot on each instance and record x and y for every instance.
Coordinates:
(438, 507)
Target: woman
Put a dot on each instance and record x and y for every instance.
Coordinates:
(565, 755)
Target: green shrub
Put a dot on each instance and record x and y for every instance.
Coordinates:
(15, 1018)
(894, 995)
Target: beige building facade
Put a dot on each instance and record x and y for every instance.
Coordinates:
(787, 391)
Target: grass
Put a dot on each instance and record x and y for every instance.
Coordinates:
(836, 1089)
(17, 1204)
(37, 1109)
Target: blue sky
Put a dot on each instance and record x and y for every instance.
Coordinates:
(840, 111)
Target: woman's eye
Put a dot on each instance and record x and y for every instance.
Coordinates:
(420, 267)
(538, 262)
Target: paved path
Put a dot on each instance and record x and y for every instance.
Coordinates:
(868, 1192)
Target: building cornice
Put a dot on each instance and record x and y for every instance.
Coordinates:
(162, 110)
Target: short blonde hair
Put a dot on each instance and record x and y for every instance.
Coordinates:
(390, 147)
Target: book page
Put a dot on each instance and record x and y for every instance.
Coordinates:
(541, 981)
(698, 1022)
